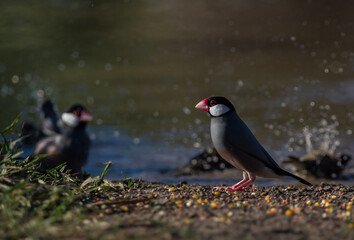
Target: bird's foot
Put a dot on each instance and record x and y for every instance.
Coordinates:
(231, 189)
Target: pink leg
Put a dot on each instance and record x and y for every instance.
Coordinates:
(233, 186)
(240, 186)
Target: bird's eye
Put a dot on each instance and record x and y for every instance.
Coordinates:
(212, 103)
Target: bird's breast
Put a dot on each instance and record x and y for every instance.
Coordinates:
(230, 158)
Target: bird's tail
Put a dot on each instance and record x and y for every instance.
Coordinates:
(285, 173)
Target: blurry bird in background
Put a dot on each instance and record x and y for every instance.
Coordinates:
(65, 139)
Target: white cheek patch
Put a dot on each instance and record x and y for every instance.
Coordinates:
(70, 119)
(218, 110)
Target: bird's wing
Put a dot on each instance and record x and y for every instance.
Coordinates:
(47, 146)
(245, 142)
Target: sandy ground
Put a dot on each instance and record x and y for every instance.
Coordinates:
(160, 211)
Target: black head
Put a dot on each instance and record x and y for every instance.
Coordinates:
(216, 106)
(76, 109)
(212, 101)
(76, 115)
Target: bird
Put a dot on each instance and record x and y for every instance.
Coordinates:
(70, 146)
(48, 126)
(235, 142)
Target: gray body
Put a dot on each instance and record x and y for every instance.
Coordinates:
(70, 147)
(237, 145)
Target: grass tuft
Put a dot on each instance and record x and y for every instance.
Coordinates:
(50, 200)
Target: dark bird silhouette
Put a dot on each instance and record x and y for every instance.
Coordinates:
(31, 133)
(70, 146)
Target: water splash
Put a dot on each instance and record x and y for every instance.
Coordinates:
(323, 137)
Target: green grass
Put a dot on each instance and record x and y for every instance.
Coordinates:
(43, 204)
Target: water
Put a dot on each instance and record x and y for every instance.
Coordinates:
(141, 66)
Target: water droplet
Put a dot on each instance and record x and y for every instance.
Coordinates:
(15, 79)
(186, 110)
(6, 90)
(196, 145)
(81, 63)
(61, 67)
(75, 54)
(136, 140)
(40, 93)
(108, 67)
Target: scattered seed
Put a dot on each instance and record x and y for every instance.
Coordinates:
(272, 211)
(288, 213)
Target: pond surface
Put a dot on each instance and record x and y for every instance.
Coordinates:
(141, 66)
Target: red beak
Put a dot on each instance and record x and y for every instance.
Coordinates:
(203, 105)
(85, 116)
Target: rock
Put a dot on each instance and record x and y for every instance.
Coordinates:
(320, 164)
(208, 160)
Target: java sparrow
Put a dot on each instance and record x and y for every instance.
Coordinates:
(71, 146)
(236, 144)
